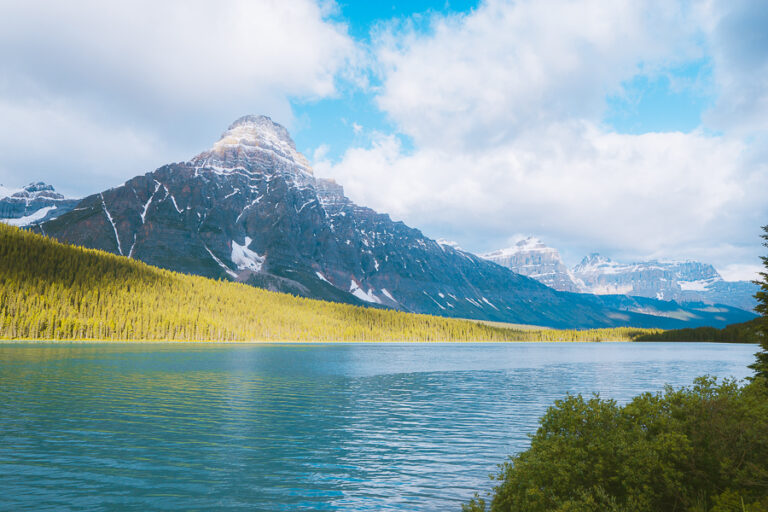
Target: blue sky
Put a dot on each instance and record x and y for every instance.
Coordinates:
(636, 129)
(339, 115)
(671, 100)
(668, 102)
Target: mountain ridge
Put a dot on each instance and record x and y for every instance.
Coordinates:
(32, 204)
(250, 209)
(687, 281)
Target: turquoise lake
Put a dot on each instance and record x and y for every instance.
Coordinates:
(411, 427)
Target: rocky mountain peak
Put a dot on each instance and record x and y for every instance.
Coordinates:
(253, 139)
(531, 244)
(525, 245)
(595, 259)
(32, 204)
(39, 187)
(251, 131)
(531, 257)
(36, 190)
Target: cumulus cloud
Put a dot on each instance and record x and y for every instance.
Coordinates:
(739, 45)
(503, 106)
(510, 67)
(50, 141)
(176, 72)
(646, 194)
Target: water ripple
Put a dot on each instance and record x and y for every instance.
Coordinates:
(297, 427)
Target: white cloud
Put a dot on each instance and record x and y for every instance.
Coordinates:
(646, 193)
(739, 43)
(508, 68)
(42, 140)
(163, 77)
(504, 105)
(178, 51)
(321, 152)
(741, 272)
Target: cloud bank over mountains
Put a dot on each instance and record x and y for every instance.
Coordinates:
(499, 112)
(505, 104)
(99, 91)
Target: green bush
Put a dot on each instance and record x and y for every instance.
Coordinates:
(697, 449)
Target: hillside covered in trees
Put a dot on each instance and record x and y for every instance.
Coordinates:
(52, 291)
(744, 332)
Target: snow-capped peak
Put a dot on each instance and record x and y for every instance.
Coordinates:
(595, 259)
(32, 204)
(529, 244)
(254, 134)
(35, 190)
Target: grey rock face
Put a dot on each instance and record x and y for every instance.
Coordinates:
(33, 204)
(686, 282)
(530, 257)
(251, 210)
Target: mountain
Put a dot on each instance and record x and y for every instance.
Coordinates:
(685, 282)
(530, 257)
(49, 291)
(251, 210)
(33, 204)
(682, 281)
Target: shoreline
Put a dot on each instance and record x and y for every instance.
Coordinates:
(336, 342)
(296, 342)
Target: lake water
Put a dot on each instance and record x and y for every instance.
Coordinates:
(297, 427)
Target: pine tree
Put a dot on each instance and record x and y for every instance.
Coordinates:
(761, 365)
(49, 290)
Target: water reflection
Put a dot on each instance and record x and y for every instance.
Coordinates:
(296, 427)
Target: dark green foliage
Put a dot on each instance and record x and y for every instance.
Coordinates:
(761, 364)
(698, 449)
(745, 332)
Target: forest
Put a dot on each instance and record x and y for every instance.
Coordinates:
(744, 332)
(53, 291)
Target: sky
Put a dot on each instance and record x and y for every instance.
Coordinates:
(637, 129)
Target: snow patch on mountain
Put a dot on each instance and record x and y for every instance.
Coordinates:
(28, 220)
(358, 292)
(228, 270)
(388, 295)
(245, 258)
(701, 285)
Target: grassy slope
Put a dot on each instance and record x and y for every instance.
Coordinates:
(49, 290)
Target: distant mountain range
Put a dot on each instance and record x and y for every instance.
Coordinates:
(33, 204)
(681, 281)
(251, 210)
